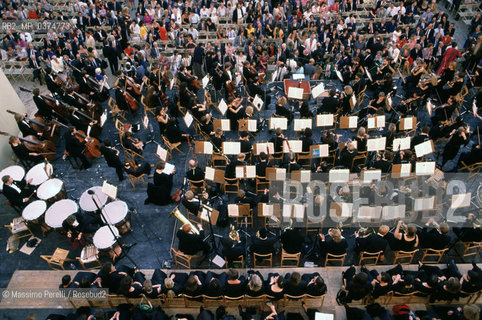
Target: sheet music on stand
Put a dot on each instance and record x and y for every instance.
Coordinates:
(425, 168)
(222, 107)
(169, 169)
(348, 122)
(109, 189)
(276, 174)
(320, 151)
(258, 103)
(246, 172)
(325, 120)
(161, 153)
(233, 210)
(231, 148)
(216, 175)
(339, 175)
(188, 119)
(302, 124)
(275, 123)
(376, 122)
(401, 143)
(293, 210)
(219, 261)
(401, 170)
(249, 125)
(205, 81)
(303, 176)
(203, 147)
(265, 210)
(223, 124)
(368, 176)
(295, 146)
(341, 209)
(407, 123)
(317, 90)
(295, 93)
(393, 212)
(376, 144)
(461, 200)
(368, 213)
(266, 147)
(424, 148)
(422, 204)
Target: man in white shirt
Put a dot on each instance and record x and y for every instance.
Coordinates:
(194, 18)
(193, 32)
(57, 65)
(310, 43)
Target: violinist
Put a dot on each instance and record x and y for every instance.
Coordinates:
(359, 83)
(252, 78)
(457, 139)
(23, 153)
(25, 127)
(131, 143)
(444, 112)
(411, 82)
(453, 87)
(18, 193)
(218, 139)
(345, 99)
(75, 149)
(235, 111)
(220, 77)
(284, 110)
(174, 133)
(162, 119)
(206, 124)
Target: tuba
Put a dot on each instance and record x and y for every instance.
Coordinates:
(178, 215)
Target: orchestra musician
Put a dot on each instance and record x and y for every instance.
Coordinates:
(75, 149)
(23, 153)
(111, 156)
(18, 193)
(184, 75)
(191, 243)
(25, 127)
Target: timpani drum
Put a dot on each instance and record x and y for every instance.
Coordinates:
(86, 201)
(16, 172)
(39, 173)
(52, 190)
(33, 213)
(117, 213)
(59, 211)
(105, 241)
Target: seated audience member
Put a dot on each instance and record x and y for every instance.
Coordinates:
(214, 284)
(154, 287)
(110, 276)
(262, 244)
(194, 284)
(356, 285)
(315, 284)
(334, 243)
(81, 280)
(437, 238)
(191, 243)
(444, 284)
(371, 242)
(292, 240)
(132, 287)
(256, 284)
(275, 287)
(294, 285)
(381, 283)
(235, 285)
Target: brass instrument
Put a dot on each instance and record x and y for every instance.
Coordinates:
(233, 234)
(289, 227)
(178, 215)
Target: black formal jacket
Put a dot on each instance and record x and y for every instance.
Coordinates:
(372, 243)
(15, 197)
(190, 243)
(111, 157)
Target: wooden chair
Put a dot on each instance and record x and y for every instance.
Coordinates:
(19, 228)
(171, 146)
(57, 259)
(209, 302)
(146, 108)
(364, 256)
(471, 297)
(460, 98)
(231, 185)
(401, 255)
(304, 159)
(89, 254)
(197, 186)
(263, 260)
(133, 179)
(471, 249)
(335, 258)
(290, 257)
(116, 299)
(193, 302)
(261, 184)
(177, 301)
(239, 260)
(114, 109)
(432, 255)
(182, 259)
(292, 301)
(256, 301)
(404, 297)
(360, 159)
(317, 301)
(234, 301)
(122, 128)
(218, 161)
(361, 96)
(473, 169)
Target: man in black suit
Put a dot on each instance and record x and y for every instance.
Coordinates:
(232, 249)
(262, 244)
(194, 173)
(34, 64)
(422, 137)
(246, 145)
(192, 203)
(329, 104)
(369, 242)
(25, 127)
(292, 239)
(112, 53)
(437, 238)
(111, 156)
(262, 165)
(22, 153)
(16, 192)
(278, 141)
(75, 149)
(191, 243)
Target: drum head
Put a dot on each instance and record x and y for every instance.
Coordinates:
(34, 210)
(87, 204)
(16, 172)
(115, 212)
(59, 211)
(49, 189)
(103, 238)
(38, 174)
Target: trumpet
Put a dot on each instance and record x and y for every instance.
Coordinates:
(233, 234)
(178, 215)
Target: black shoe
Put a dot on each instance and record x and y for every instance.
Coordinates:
(474, 264)
(147, 201)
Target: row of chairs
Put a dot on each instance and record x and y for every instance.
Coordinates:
(16, 70)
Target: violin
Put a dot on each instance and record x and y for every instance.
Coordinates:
(44, 148)
(92, 145)
(48, 131)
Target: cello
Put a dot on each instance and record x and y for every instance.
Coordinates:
(92, 145)
(48, 131)
(44, 148)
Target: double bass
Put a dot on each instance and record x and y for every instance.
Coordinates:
(55, 104)
(92, 145)
(44, 148)
(48, 131)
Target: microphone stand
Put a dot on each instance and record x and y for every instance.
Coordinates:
(117, 238)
